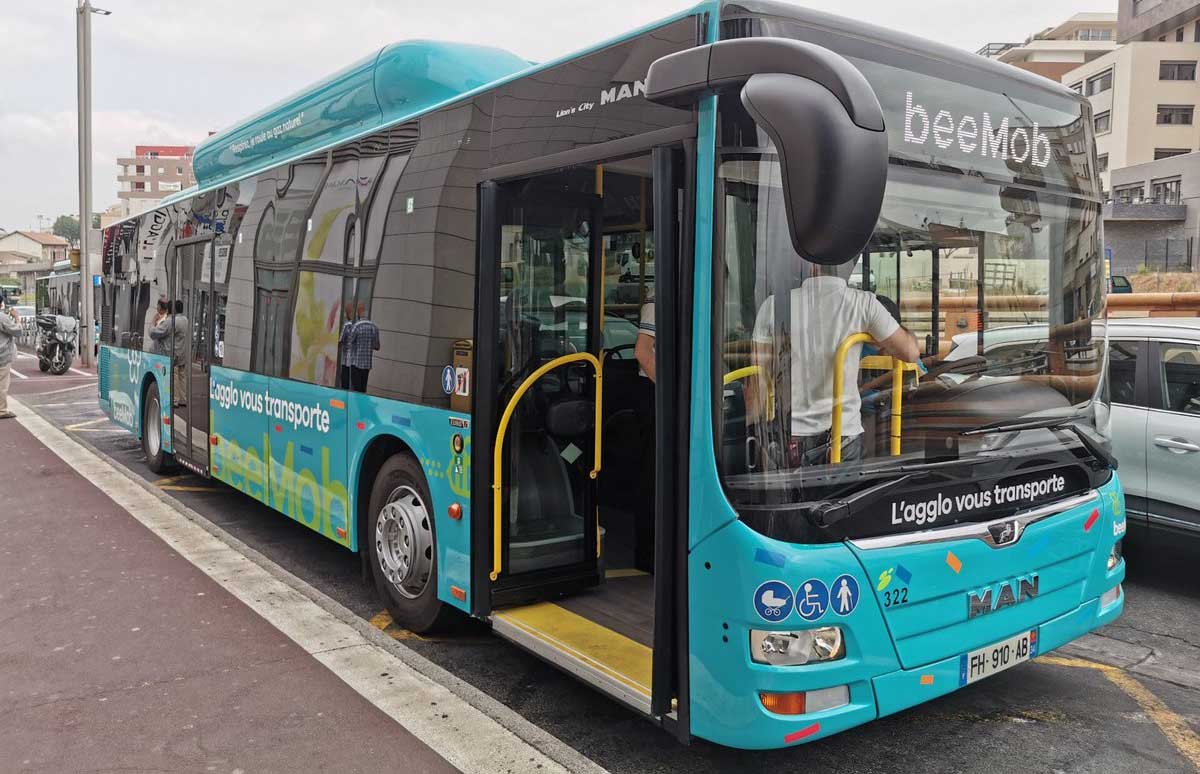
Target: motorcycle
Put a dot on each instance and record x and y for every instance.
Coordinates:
(57, 335)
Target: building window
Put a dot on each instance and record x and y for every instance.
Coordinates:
(1099, 83)
(1165, 191)
(1196, 33)
(1177, 71)
(1166, 153)
(139, 186)
(1102, 122)
(1102, 162)
(179, 170)
(140, 170)
(1175, 115)
(1077, 87)
(1179, 35)
(1128, 194)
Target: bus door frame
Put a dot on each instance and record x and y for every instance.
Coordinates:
(183, 448)
(673, 153)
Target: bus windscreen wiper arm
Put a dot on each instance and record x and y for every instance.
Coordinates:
(1051, 423)
(826, 513)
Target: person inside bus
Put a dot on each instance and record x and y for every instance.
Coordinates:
(644, 351)
(169, 333)
(824, 311)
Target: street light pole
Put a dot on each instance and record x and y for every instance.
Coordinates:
(83, 56)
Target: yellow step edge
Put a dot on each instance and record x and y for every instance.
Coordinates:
(625, 660)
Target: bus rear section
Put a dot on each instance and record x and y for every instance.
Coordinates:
(880, 532)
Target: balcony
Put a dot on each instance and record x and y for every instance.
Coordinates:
(1144, 209)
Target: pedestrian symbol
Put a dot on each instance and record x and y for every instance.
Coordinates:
(773, 601)
(845, 595)
(812, 599)
(449, 380)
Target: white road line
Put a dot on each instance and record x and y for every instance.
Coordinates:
(81, 373)
(67, 389)
(470, 730)
(17, 373)
(27, 357)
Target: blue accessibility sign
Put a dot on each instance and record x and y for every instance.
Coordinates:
(812, 599)
(448, 380)
(773, 601)
(845, 594)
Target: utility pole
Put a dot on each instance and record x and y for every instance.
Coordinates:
(83, 55)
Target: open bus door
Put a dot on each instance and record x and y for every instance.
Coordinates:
(191, 283)
(563, 423)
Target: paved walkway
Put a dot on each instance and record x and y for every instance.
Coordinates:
(117, 653)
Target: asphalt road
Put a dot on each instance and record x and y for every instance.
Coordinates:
(1126, 700)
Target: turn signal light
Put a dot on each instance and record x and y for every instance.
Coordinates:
(783, 703)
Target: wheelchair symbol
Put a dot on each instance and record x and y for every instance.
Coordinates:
(812, 599)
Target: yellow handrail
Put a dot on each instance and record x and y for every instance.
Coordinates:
(897, 368)
(742, 373)
(498, 449)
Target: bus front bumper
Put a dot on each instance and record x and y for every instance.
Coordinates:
(906, 688)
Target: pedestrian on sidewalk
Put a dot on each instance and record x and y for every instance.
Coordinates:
(10, 329)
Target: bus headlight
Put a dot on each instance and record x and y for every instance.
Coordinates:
(1114, 556)
(797, 648)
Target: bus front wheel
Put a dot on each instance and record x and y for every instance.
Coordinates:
(402, 544)
(156, 459)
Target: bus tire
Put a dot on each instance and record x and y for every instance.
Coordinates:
(156, 459)
(402, 546)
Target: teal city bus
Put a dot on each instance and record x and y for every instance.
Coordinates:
(797, 527)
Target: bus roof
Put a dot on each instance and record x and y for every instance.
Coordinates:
(404, 80)
(395, 84)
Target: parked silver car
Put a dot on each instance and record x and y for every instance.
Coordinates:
(1154, 383)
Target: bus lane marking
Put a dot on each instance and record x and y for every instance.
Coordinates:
(473, 732)
(1172, 725)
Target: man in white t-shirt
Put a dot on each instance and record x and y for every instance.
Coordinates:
(825, 310)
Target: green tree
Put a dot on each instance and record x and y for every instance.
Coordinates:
(67, 227)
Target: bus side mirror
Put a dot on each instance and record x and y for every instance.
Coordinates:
(824, 119)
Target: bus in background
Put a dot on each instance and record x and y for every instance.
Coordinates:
(58, 293)
(731, 551)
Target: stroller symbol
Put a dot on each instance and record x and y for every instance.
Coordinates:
(773, 601)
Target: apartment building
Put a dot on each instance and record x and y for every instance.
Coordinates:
(1056, 50)
(1144, 97)
(1163, 21)
(1154, 215)
(152, 172)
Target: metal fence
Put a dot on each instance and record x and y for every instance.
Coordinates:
(1168, 255)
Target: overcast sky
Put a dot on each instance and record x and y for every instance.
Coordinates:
(170, 71)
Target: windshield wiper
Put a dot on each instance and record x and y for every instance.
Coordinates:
(826, 513)
(1050, 423)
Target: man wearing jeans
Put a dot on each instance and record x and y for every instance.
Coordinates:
(10, 329)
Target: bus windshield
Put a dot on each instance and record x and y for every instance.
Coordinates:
(1000, 287)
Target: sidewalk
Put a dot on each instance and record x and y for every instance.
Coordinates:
(117, 653)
